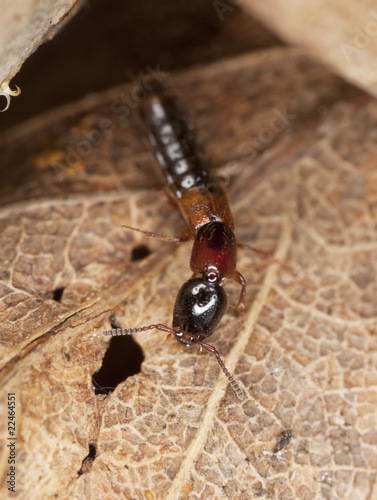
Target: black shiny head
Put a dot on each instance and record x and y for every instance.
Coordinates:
(199, 307)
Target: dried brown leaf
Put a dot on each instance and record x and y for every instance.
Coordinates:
(25, 25)
(340, 33)
(299, 145)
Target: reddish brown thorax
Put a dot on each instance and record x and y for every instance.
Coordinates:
(214, 252)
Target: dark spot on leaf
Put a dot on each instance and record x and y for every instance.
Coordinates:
(140, 252)
(284, 439)
(58, 293)
(261, 492)
(89, 459)
(122, 359)
(67, 356)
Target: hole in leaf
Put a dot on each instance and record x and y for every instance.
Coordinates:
(58, 293)
(122, 359)
(140, 252)
(89, 459)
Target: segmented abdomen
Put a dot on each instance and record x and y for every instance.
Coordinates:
(182, 160)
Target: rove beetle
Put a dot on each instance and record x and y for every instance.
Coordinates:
(194, 188)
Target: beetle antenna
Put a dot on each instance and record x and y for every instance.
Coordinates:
(232, 381)
(131, 331)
